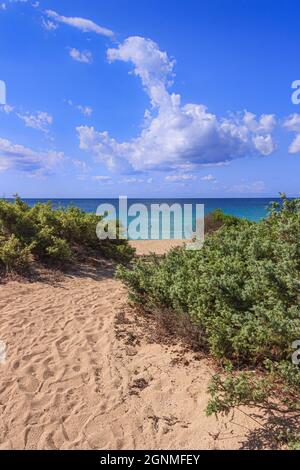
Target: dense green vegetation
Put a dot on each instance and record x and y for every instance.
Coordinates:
(48, 235)
(218, 219)
(242, 293)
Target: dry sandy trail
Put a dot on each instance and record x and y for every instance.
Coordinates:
(84, 371)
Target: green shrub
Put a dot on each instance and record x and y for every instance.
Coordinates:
(217, 219)
(13, 256)
(294, 441)
(59, 251)
(242, 291)
(52, 235)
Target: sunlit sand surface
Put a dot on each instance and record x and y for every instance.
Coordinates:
(83, 370)
(159, 247)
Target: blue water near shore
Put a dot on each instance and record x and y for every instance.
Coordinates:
(253, 209)
(149, 224)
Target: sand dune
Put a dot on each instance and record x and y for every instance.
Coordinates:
(85, 371)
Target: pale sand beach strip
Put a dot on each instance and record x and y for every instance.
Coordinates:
(159, 247)
(84, 370)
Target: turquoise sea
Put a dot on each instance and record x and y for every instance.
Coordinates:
(253, 209)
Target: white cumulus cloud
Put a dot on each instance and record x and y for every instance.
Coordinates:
(264, 144)
(175, 135)
(23, 159)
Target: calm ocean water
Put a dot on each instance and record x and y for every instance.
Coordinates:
(253, 209)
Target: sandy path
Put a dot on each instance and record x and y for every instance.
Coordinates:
(83, 372)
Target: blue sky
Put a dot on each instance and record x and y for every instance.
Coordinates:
(158, 98)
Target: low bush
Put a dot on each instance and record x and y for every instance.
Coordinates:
(13, 255)
(242, 291)
(50, 235)
(217, 219)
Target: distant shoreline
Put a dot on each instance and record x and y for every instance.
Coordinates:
(253, 209)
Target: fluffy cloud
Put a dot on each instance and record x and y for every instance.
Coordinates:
(154, 67)
(39, 121)
(85, 56)
(264, 144)
(105, 149)
(175, 135)
(265, 123)
(292, 124)
(83, 24)
(23, 159)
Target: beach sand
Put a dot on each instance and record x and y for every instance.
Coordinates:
(159, 247)
(84, 370)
